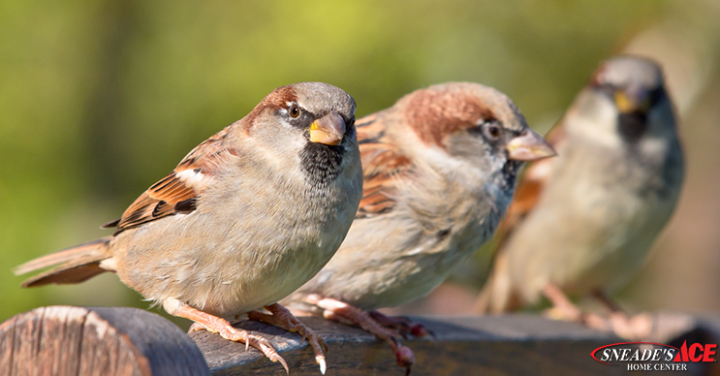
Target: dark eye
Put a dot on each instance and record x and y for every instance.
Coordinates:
(294, 111)
(492, 131)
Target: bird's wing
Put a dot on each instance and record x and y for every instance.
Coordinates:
(382, 165)
(178, 192)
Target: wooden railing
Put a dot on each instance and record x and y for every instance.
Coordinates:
(65, 341)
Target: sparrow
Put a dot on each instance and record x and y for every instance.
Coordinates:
(246, 218)
(582, 223)
(439, 170)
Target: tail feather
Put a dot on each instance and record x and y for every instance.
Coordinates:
(77, 264)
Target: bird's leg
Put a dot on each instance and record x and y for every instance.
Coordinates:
(221, 326)
(345, 313)
(196, 327)
(283, 318)
(636, 327)
(402, 324)
(563, 308)
(607, 301)
(619, 322)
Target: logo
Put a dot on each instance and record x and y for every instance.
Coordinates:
(650, 356)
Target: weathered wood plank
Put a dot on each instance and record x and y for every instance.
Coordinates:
(124, 341)
(516, 345)
(65, 340)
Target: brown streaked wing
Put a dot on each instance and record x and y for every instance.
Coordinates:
(178, 192)
(382, 163)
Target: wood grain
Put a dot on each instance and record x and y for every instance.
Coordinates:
(62, 340)
(518, 345)
(66, 341)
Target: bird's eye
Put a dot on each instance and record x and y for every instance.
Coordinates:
(492, 131)
(294, 111)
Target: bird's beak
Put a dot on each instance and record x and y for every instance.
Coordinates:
(632, 100)
(529, 146)
(328, 130)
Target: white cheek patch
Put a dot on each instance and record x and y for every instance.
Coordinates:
(285, 124)
(601, 127)
(440, 159)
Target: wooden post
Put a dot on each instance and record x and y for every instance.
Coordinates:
(506, 345)
(63, 341)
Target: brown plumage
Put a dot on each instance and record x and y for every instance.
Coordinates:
(244, 219)
(76, 264)
(178, 192)
(439, 170)
(383, 163)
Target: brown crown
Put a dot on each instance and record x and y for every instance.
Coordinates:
(435, 114)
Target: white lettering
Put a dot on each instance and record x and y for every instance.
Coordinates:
(670, 367)
(657, 353)
(646, 355)
(616, 354)
(625, 355)
(670, 355)
(605, 355)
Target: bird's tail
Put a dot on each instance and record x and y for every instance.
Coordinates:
(76, 264)
(498, 296)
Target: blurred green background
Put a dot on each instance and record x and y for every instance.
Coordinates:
(98, 100)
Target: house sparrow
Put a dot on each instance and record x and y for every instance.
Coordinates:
(439, 170)
(245, 219)
(583, 222)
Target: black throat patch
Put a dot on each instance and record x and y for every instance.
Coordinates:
(321, 162)
(632, 126)
(509, 173)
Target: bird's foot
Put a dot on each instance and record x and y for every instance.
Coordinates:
(563, 308)
(638, 327)
(403, 325)
(222, 327)
(196, 327)
(347, 314)
(634, 328)
(283, 318)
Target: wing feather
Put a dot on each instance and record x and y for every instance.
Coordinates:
(382, 164)
(178, 192)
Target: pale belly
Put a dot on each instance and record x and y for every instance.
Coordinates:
(223, 271)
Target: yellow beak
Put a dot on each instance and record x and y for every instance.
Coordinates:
(328, 130)
(626, 104)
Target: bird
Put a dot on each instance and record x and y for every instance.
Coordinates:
(247, 217)
(581, 224)
(439, 170)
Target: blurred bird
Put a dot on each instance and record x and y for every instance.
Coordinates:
(245, 219)
(439, 170)
(583, 222)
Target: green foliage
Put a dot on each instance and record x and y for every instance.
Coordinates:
(101, 99)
